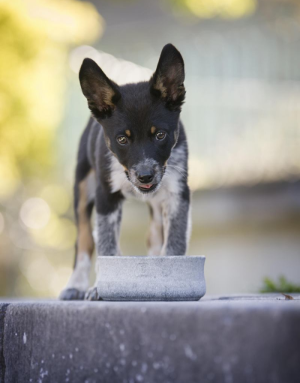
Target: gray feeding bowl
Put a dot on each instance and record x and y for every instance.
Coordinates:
(150, 278)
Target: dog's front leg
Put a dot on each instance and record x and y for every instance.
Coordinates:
(108, 220)
(156, 235)
(177, 223)
(107, 232)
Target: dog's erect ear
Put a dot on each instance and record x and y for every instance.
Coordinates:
(102, 93)
(167, 80)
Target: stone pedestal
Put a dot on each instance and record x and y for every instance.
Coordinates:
(143, 278)
(243, 339)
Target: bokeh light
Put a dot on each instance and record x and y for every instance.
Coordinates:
(120, 71)
(59, 233)
(221, 8)
(35, 213)
(57, 197)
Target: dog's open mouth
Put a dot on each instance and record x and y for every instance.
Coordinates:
(147, 187)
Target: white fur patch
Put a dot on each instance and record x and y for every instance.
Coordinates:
(118, 179)
(91, 186)
(80, 278)
(168, 187)
(156, 231)
(189, 226)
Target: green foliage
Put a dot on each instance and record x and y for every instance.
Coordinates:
(282, 286)
(35, 38)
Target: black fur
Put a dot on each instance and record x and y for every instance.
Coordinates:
(136, 144)
(138, 107)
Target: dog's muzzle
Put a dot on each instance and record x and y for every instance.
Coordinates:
(145, 177)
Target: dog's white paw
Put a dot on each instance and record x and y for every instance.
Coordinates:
(92, 295)
(72, 294)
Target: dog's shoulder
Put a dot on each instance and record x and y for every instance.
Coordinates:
(93, 139)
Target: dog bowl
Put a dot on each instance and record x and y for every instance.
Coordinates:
(148, 278)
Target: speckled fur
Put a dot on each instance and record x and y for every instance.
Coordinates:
(111, 172)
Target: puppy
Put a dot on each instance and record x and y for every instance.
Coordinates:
(133, 146)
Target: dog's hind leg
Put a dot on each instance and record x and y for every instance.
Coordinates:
(156, 235)
(79, 281)
(84, 195)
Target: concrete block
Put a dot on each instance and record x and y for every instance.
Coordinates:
(240, 339)
(143, 278)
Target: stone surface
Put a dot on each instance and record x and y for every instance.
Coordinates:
(253, 339)
(140, 278)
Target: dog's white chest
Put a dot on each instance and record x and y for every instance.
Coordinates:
(118, 179)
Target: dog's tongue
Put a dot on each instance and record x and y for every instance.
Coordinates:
(146, 186)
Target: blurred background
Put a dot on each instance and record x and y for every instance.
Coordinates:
(242, 117)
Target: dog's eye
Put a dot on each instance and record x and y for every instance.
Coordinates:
(160, 135)
(122, 140)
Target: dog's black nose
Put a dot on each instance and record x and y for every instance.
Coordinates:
(145, 177)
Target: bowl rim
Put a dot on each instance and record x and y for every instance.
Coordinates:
(151, 257)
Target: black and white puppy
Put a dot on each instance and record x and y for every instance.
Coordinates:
(133, 146)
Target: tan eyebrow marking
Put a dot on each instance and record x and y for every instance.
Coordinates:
(153, 129)
(128, 133)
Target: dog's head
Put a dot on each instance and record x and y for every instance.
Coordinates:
(140, 121)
